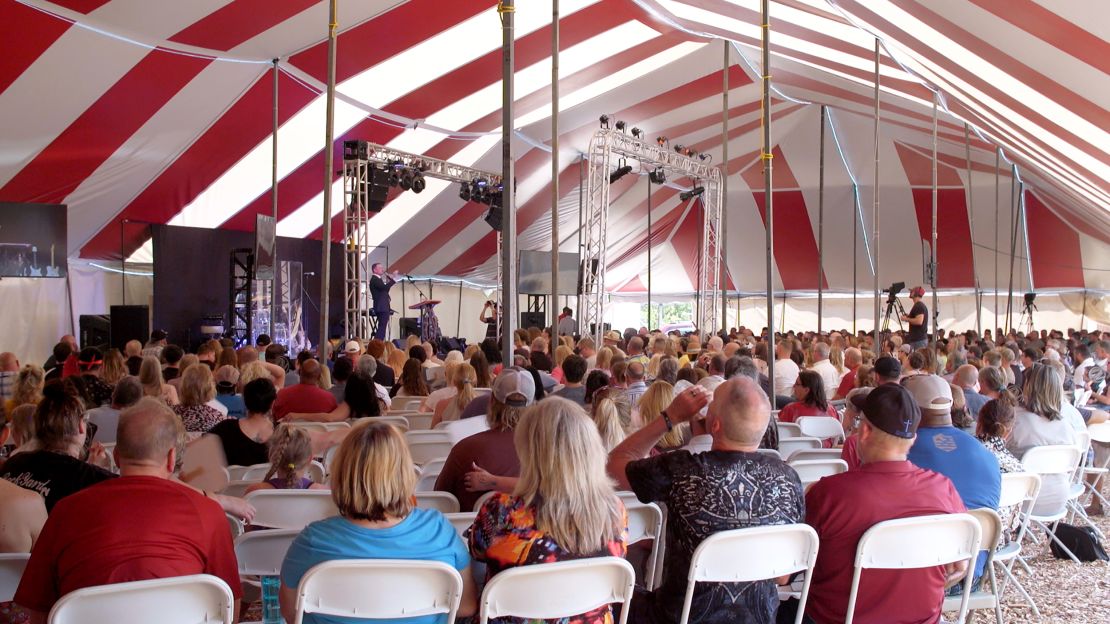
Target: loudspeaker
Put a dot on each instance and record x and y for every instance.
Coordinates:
(410, 327)
(95, 330)
(129, 322)
(532, 319)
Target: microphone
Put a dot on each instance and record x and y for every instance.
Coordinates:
(408, 276)
(309, 273)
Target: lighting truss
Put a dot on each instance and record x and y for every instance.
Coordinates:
(356, 184)
(608, 145)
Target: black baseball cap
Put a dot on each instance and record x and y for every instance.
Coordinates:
(157, 335)
(892, 409)
(888, 367)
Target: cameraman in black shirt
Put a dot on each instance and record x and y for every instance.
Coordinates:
(918, 320)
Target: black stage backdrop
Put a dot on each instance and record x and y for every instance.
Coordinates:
(192, 272)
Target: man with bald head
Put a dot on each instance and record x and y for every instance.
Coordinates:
(140, 526)
(731, 486)
(306, 396)
(967, 378)
(853, 358)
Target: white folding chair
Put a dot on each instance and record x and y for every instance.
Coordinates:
(320, 426)
(991, 528)
(425, 446)
(813, 470)
(1079, 484)
(260, 553)
(919, 542)
(769, 453)
(822, 428)
(406, 404)
(699, 444)
(379, 589)
(329, 455)
(235, 525)
(176, 600)
(820, 453)
(1052, 461)
(316, 472)
(558, 590)
(753, 554)
(290, 509)
(11, 570)
(255, 472)
(427, 481)
(788, 446)
(1018, 488)
(400, 422)
(456, 430)
(420, 421)
(435, 465)
(1099, 433)
(238, 489)
(462, 521)
(645, 522)
(788, 430)
(444, 502)
(483, 498)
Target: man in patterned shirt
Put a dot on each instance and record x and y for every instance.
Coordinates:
(731, 486)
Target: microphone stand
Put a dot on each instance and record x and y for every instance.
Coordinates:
(423, 297)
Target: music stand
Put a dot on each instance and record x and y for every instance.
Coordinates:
(429, 324)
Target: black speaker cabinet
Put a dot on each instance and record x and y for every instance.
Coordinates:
(410, 327)
(130, 322)
(95, 330)
(532, 319)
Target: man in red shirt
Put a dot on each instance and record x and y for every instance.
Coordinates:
(885, 487)
(852, 360)
(306, 397)
(138, 527)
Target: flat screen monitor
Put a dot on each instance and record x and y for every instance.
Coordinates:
(33, 240)
(534, 273)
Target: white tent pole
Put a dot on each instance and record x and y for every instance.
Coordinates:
(997, 177)
(329, 156)
(933, 255)
(722, 237)
(821, 224)
(554, 176)
(875, 207)
(971, 231)
(649, 254)
(855, 258)
(508, 196)
(1013, 244)
(274, 193)
(768, 200)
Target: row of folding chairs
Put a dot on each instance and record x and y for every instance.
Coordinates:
(381, 589)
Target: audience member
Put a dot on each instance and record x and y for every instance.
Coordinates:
(244, 440)
(140, 526)
(823, 367)
(786, 370)
(373, 485)
(90, 362)
(887, 370)
(114, 367)
(609, 411)
(27, 389)
(197, 390)
(463, 380)
(22, 514)
(809, 395)
(652, 406)
(636, 386)
(563, 506)
(306, 395)
(340, 371)
(492, 454)
(1038, 421)
(289, 452)
(106, 418)
(411, 383)
(227, 382)
(171, 355)
(885, 487)
(150, 376)
(762, 490)
(967, 378)
(574, 370)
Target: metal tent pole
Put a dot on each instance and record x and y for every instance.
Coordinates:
(855, 257)
(722, 237)
(933, 255)
(649, 254)
(274, 196)
(768, 200)
(875, 205)
(971, 228)
(554, 176)
(508, 181)
(997, 176)
(329, 165)
(1013, 245)
(821, 225)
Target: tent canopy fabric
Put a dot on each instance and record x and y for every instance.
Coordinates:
(161, 112)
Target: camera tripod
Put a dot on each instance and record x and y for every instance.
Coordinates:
(1026, 322)
(892, 304)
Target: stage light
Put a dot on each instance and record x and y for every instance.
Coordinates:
(604, 119)
(658, 176)
(418, 183)
(662, 140)
(621, 125)
(705, 157)
(464, 191)
(638, 133)
(692, 193)
(620, 172)
(406, 180)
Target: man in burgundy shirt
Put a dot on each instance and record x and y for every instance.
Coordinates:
(852, 360)
(138, 527)
(305, 397)
(887, 486)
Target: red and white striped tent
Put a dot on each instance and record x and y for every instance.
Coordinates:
(160, 111)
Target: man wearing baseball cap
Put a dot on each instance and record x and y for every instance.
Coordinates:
(886, 486)
(918, 319)
(888, 370)
(491, 452)
(954, 453)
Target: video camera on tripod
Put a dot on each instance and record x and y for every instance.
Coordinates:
(892, 304)
(892, 292)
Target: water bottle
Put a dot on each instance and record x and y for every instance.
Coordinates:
(271, 609)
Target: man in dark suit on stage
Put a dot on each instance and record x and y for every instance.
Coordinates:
(379, 290)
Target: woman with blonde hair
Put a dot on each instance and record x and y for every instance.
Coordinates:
(114, 367)
(289, 450)
(251, 371)
(836, 358)
(604, 360)
(657, 398)
(609, 410)
(563, 506)
(27, 389)
(435, 397)
(150, 376)
(653, 366)
(463, 381)
(397, 361)
(372, 485)
(197, 389)
(561, 353)
(1039, 421)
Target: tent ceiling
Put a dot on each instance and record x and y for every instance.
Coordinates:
(166, 118)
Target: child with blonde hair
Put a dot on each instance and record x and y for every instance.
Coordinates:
(290, 454)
